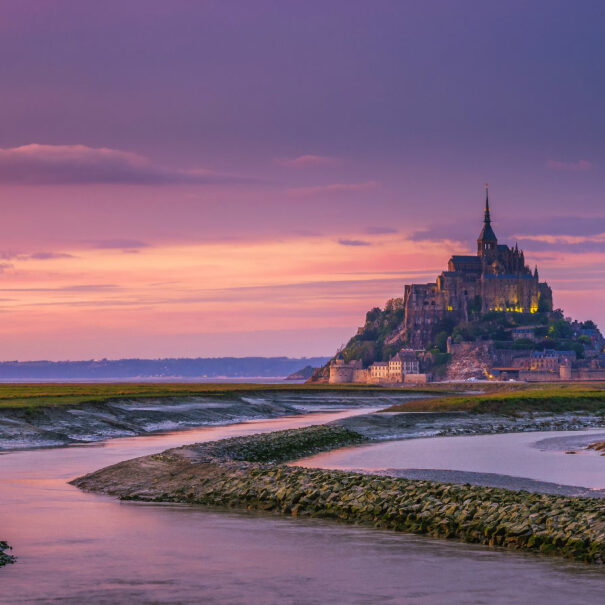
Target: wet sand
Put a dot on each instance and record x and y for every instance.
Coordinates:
(531, 461)
(76, 547)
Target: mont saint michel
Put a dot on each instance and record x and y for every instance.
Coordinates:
(267, 337)
(495, 279)
(487, 316)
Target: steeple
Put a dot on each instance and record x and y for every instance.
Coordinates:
(487, 240)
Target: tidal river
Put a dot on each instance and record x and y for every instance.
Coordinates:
(75, 547)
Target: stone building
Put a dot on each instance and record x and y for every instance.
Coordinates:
(398, 369)
(343, 372)
(495, 279)
(379, 371)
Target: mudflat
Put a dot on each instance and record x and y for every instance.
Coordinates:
(248, 472)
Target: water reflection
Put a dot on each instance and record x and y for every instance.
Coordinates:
(75, 547)
(539, 456)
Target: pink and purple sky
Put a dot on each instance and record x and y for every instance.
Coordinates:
(207, 178)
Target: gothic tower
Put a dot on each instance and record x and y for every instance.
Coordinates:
(487, 241)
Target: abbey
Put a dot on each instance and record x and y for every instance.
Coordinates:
(495, 279)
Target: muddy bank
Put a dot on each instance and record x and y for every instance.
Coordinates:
(248, 473)
(493, 480)
(407, 425)
(50, 426)
(599, 446)
(5, 558)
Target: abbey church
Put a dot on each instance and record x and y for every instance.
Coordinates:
(495, 279)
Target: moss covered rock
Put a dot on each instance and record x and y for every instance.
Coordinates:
(248, 472)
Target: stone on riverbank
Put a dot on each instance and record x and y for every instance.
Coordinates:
(246, 472)
(599, 446)
(5, 558)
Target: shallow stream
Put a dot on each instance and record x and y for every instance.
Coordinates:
(75, 547)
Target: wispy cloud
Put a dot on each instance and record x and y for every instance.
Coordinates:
(119, 244)
(70, 288)
(307, 161)
(441, 233)
(35, 255)
(48, 255)
(564, 239)
(579, 166)
(78, 165)
(380, 230)
(332, 189)
(353, 242)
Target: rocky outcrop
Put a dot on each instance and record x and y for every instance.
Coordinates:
(5, 558)
(302, 374)
(470, 360)
(247, 473)
(599, 446)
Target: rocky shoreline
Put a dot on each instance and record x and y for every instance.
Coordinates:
(56, 426)
(248, 472)
(5, 558)
(407, 425)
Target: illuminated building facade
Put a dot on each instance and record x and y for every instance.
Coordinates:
(495, 279)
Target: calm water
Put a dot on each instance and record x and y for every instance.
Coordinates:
(540, 456)
(75, 547)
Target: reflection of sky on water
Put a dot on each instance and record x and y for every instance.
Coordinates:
(507, 454)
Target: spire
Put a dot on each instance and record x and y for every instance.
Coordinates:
(536, 272)
(487, 219)
(487, 241)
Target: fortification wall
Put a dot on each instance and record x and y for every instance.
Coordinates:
(589, 374)
(361, 376)
(417, 378)
(340, 374)
(535, 376)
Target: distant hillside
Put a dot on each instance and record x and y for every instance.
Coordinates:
(302, 374)
(105, 369)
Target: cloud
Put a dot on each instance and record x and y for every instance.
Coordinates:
(353, 242)
(564, 239)
(456, 233)
(5, 266)
(120, 244)
(48, 255)
(579, 166)
(560, 225)
(332, 189)
(81, 165)
(35, 255)
(307, 161)
(74, 288)
(380, 230)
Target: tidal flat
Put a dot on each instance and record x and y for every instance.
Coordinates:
(167, 552)
(249, 473)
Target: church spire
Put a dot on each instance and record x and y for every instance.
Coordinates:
(487, 241)
(487, 220)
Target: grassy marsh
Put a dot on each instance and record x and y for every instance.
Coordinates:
(547, 398)
(73, 394)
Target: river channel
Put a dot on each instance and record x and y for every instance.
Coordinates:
(76, 547)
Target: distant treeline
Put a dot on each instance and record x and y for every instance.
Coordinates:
(231, 367)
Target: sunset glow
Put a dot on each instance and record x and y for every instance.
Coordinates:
(263, 207)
